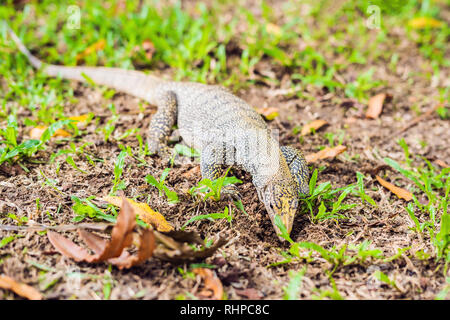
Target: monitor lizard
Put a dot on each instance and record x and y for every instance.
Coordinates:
(221, 126)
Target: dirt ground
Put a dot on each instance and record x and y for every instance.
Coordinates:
(243, 262)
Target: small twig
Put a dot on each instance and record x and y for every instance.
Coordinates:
(412, 123)
(418, 119)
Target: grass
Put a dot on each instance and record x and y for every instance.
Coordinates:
(118, 184)
(326, 200)
(110, 126)
(227, 214)
(85, 208)
(13, 151)
(435, 219)
(212, 188)
(163, 189)
(435, 185)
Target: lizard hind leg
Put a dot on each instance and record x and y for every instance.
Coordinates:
(161, 124)
(298, 167)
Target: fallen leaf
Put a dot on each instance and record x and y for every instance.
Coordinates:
(21, 289)
(36, 132)
(99, 45)
(375, 106)
(66, 247)
(399, 192)
(441, 163)
(213, 286)
(80, 118)
(121, 235)
(316, 125)
(145, 213)
(193, 172)
(325, 153)
(273, 29)
(113, 250)
(269, 113)
(93, 241)
(146, 247)
(424, 22)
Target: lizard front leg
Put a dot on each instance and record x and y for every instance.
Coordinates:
(298, 167)
(161, 124)
(211, 166)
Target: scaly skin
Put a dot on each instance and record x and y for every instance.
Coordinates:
(223, 127)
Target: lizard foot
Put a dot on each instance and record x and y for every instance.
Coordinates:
(164, 152)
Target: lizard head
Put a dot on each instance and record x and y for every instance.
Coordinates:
(280, 197)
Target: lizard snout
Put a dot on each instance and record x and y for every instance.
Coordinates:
(280, 202)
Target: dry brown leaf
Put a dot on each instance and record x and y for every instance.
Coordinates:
(80, 118)
(424, 22)
(145, 213)
(193, 172)
(37, 132)
(113, 250)
(375, 106)
(213, 286)
(399, 192)
(21, 289)
(99, 45)
(66, 247)
(325, 153)
(146, 247)
(93, 241)
(121, 235)
(441, 163)
(269, 113)
(315, 124)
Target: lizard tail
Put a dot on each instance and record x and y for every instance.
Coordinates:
(132, 82)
